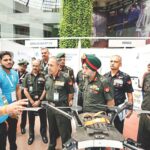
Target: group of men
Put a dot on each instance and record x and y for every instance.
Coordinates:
(51, 80)
(44, 82)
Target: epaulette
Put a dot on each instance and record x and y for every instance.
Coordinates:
(106, 74)
(103, 79)
(28, 74)
(124, 74)
(69, 68)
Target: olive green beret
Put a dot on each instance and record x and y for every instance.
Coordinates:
(59, 55)
(92, 62)
(23, 62)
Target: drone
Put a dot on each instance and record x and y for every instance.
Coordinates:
(96, 129)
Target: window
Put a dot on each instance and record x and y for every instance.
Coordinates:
(21, 31)
(51, 5)
(47, 30)
(50, 30)
(20, 7)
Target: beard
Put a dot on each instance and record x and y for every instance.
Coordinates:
(7, 68)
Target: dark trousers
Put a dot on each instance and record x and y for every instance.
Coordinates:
(24, 114)
(144, 132)
(3, 135)
(23, 119)
(59, 125)
(10, 132)
(119, 124)
(80, 99)
(43, 122)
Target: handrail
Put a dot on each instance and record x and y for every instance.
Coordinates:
(79, 38)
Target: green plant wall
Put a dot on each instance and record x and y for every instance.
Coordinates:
(76, 22)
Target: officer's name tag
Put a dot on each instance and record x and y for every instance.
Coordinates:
(56, 96)
(13, 96)
(60, 83)
(118, 81)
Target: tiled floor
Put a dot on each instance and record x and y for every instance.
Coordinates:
(22, 139)
(131, 126)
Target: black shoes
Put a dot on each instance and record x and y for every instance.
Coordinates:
(30, 140)
(45, 140)
(23, 130)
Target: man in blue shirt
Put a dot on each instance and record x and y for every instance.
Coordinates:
(13, 108)
(10, 89)
(5, 110)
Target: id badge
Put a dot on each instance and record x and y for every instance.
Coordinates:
(30, 88)
(56, 96)
(36, 96)
(13, 96)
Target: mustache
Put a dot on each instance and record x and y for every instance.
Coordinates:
(35, 69)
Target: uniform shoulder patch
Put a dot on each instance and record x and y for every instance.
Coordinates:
(107, 89)
(129, 81)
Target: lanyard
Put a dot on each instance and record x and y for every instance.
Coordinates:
(21, 77)
(9, 80)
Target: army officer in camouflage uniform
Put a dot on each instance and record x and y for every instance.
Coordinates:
(62, 58)
(44, 61)
(80, 83)
(34, 83)
(97, 90)
(59, 91)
